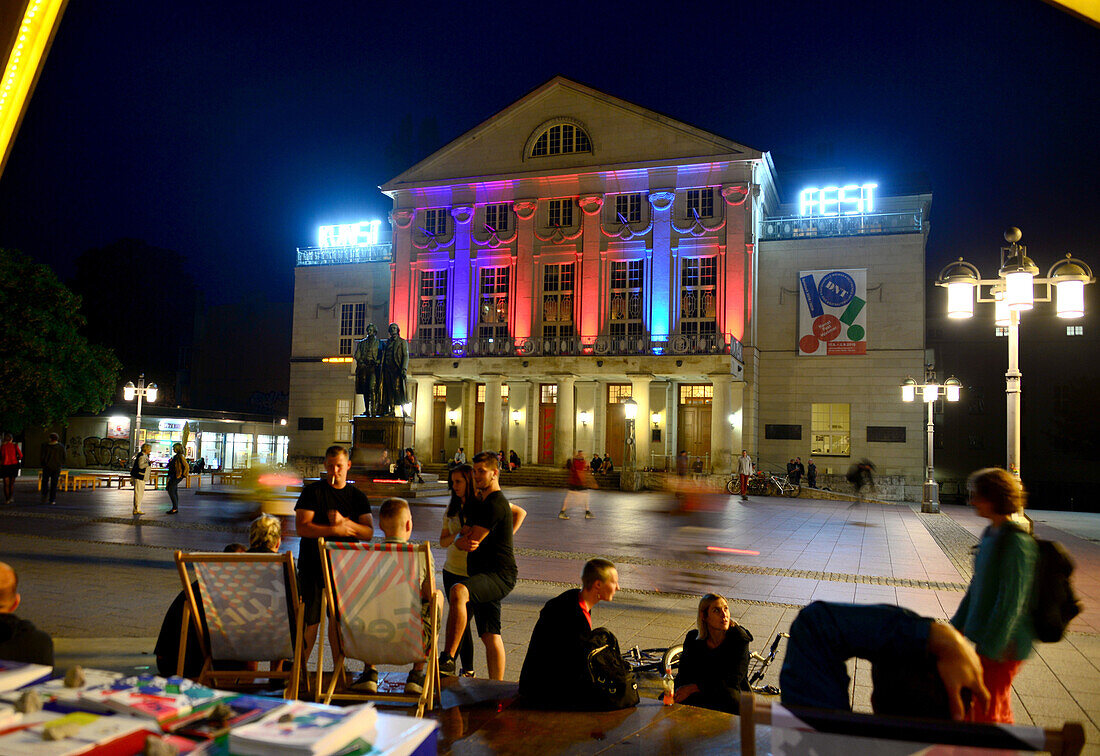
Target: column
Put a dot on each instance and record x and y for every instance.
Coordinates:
(639, 392)
(401, 269)
(588, 292)
(523, 289)
(660, 310)
(565, 420)
(466, 422)
(737, 282)
(721, 436)
(459, 290)
(490, 430)
(519, 401)
(422, 413)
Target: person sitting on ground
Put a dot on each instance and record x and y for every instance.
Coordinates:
(459, 458)
(395, 518)
(596, 464)
(919, 667)
(513, 460)
(608, 466)
(714, 666)
(555, 671)
(20, 640)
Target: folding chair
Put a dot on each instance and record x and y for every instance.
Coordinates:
(372, 596)
(250, 617)
(805, 730)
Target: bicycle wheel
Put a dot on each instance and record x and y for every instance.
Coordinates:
(773, 488)
(733, 485)
(672, 657)
(792, 491)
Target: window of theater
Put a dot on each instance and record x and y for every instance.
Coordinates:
(493, 305)
(617, 393)
(353, 325)
(562, 139)
(698, 296)
(557, 302)
(435, 221)
(626, 298)
(481, 393)
(548, 393)
(830, 430)
(343, 420)
(696, 393)
(431, 318)
(559, 213)
(496, 217)
(701, 202)
(628, 207)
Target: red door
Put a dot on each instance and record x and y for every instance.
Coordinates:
(547, 413)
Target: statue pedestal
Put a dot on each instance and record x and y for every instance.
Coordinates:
(393, 434)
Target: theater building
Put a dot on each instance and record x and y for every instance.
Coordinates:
(576, 251)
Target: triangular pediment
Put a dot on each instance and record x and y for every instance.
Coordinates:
(621, 134)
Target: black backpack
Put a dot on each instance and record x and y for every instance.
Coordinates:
(1053, 601)
(135, 471)
(611, 680)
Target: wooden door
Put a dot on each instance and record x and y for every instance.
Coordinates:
(547, 415)
(439, 417)
(695, 430)
(615, 433)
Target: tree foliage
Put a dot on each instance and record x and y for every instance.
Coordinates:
(48, 369)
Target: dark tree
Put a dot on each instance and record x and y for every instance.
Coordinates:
(48, 370)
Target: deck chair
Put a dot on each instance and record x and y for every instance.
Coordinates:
(799, 730)
(249, 617)
(372, 596)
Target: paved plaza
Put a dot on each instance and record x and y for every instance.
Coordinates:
(99, 581)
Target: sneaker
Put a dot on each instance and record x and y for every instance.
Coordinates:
(172, 511)
(446, 665)
(138, 512)
(414, 683)
(562, 515)
(367, 682)
(588, 515)
(467, 673)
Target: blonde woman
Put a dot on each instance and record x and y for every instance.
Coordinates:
(714, 667)
(994, 612)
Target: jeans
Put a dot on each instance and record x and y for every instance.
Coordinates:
(50, 479)
(173, 491)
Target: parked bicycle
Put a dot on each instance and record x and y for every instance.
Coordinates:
(765, 484)
(656, 660)
(759, 667)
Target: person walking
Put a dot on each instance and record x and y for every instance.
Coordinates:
(744, 471)
(52, 459)
(177, 471)
(994, 612)
(11, 459)
(138, 472)
(811, 473)
(578, 487)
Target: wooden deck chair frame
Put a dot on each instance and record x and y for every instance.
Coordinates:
(430, 696)
(225, 678)
(1069, 740)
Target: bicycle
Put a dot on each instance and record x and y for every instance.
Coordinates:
(765, 484)
(760, 667)
(660, 659)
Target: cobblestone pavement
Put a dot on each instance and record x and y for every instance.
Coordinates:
(99, 581)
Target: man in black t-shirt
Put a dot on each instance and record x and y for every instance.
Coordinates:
(336, 511)
(491, 565)
(20, 640)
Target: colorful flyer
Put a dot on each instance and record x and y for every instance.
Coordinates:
(832, 312)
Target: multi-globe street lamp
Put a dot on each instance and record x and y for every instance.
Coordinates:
(141, 391)
(929, 392)
(1012, 293)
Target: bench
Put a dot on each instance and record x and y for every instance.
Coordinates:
(62, 482)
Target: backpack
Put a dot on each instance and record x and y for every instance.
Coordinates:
(611, 680)
(1053, 600)
(135, 471)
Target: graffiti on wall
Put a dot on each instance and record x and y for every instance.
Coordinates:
(94, 451)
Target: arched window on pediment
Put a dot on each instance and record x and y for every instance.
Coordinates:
(559, 136)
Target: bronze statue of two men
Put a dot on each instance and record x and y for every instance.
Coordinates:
(381, 369)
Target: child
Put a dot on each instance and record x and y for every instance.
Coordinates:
(396, 520)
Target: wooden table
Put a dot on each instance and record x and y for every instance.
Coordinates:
(228, 477)
(90, 480)
(62, 482)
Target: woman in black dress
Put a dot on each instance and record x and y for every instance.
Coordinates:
(714, 667)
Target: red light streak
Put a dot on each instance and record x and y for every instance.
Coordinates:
(726, 550)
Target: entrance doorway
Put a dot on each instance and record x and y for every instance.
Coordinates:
(694, 418)
(615, 421)
(439, 419)
(548, 409)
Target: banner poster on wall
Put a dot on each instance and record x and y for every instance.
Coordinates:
(832, 312)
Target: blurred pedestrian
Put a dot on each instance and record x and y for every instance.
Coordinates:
(177, 471)
(578, 487)
(53, 459)
(744, 472)
(11, 459)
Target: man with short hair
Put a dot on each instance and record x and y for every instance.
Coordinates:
(744, 471)
(491, 564)
(137, 476)
(20, 640)
(555, 671)
(53, 459)
(332, 509)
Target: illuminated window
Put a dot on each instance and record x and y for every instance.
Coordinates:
(617, 393)
(629, 206)
(700, 201)
(830, 430)
(343, 420)
(626, 298)
(481, 392)
(435, 221)
(496, 217)
(439, 392)
(431, 318)
(1075, 330)
(493, 308)
(1000, 330)
(548, 393)
(557, 302)
(698, 296)
(562, 139)
(560, 213)
(353, 325)
(696, 393)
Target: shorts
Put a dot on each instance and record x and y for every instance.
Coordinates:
(9, 471)
(487, 590)
(310, 590)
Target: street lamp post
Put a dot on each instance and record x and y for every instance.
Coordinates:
(1012, 293)
(629, 478)
(141, 391)
(930, 391)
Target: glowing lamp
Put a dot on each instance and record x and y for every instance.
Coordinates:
(1069, 278)
(584, 417)
(930, 391)
(960, 299)
(630, 409)
(515, 416)
(151, 392)
(1019, 273)
(908, 389)
(1001, 314)
(732, 420)
(283, 421)
(452, 416)
(655, 418)
(953, 387)
(128, 391)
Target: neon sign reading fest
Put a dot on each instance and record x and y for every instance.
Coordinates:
(348, 234)
(853, 199)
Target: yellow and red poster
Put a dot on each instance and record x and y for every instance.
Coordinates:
(832, 312)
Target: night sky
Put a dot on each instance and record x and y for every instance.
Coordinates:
(228, 131)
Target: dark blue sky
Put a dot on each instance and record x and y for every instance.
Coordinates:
(228, 133)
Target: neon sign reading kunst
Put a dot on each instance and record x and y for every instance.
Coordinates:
(852, 199)
(348, 234)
